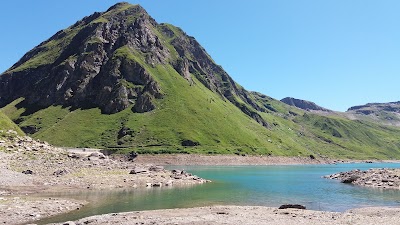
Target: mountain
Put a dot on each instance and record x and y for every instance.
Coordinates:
(121, 81)
(303, 104)
(385, 113)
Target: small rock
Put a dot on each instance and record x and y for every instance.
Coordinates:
(156, 168)
(292, 206)
(29, 172)
(138, 170)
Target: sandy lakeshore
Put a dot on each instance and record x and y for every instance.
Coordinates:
(239, 215)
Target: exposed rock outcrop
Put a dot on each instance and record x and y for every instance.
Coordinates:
(378, 178)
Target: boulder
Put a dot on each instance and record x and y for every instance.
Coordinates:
(138, 170)
(156, 168)
(97, 155)
(350, 179)
(292, 206)
(189, 143)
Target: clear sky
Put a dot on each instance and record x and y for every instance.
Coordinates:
(336, 53)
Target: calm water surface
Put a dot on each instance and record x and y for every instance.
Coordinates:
(243, 185)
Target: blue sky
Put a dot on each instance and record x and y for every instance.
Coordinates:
(337, 53)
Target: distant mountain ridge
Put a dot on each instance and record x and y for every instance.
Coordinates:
(384, 113)
(372, 107)
(303, 104)
(121, 81)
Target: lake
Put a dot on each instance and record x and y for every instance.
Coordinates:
(243, 185)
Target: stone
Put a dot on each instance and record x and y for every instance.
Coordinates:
(69, 223)
(156, 168)
(159, 184)
(138, 170)
(292, 206)
(28, 172)
(60, 172)
(350, 179)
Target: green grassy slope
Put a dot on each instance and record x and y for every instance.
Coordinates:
(7, 124)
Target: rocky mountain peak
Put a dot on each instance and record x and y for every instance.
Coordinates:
(90, 64)
(303, 104)
(103, 61)
(120, 5)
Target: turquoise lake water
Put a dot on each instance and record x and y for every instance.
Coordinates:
(244, 185)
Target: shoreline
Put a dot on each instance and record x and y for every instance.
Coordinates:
(239, 215)
(235, 160)
(29, 167)
(226, 160)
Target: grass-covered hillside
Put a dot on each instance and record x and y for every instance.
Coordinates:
(6, 124)
(119, 80)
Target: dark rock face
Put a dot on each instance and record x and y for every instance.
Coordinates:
(90, 70)
(302, 104)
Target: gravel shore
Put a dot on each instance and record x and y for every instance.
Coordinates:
(28, 166)
(239, 215)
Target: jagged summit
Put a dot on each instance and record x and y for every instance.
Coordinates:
(89, 64)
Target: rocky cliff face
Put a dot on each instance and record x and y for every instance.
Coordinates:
(97, 63)
(303, 104)
(85, 66)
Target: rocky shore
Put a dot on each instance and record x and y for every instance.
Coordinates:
(28, 166)
(239, 215)
(378, 178)
(19, 210)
